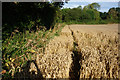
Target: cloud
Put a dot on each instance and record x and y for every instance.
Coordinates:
(91, 1)
(104, 10)
(74, 6)
(105, 6)
(71, 6)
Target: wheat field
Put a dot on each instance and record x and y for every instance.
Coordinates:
(81, 51)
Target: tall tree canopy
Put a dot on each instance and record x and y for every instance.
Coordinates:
(93, 6)
(78, 14)
(112, 13)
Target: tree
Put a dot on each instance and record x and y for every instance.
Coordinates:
(96, 15)
(93, 6)
(92, 10)
(20, 15)
(80, 7)
(118, 11)
(103, 15)
(65, 15)
(112, 14)
(75, 14)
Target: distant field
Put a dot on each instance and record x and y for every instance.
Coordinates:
(109, 29)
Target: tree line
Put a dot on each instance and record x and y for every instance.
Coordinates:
(90, 15)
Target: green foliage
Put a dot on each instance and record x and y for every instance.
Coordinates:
(29, 16)
(112, 14)
(93, 6)
(103, 15)
(89, 15)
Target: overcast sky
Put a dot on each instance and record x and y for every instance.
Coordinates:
(105, 4)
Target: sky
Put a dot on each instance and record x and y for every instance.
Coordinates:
(105, 4)
(94, 1)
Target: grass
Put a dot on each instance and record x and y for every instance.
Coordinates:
(21, 47)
